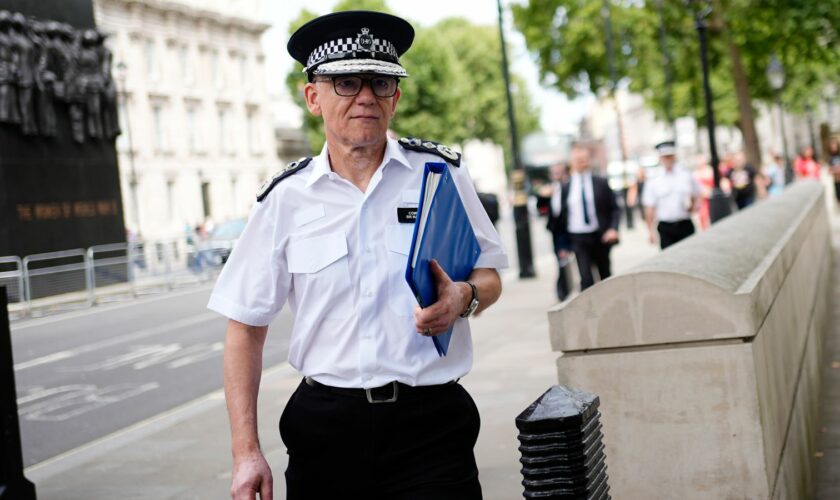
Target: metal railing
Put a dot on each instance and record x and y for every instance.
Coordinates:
(43, 284)
(11, 277)
(61, 277)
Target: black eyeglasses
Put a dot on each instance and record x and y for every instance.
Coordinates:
(351, 85)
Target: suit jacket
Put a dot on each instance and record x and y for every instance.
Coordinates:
(606, 209)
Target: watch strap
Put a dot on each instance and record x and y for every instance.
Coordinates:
(473, 305)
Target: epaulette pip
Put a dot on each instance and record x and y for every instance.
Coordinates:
(279, 176)
(424, 146)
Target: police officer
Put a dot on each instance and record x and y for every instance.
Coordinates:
(670, 199)
(378, 414)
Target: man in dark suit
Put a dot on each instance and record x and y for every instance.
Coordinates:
(587, 223)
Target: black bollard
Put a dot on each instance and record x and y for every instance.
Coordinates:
(562, 452)
(13, 486)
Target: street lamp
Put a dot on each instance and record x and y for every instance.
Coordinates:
(829, 93)
(719, 203)
(776, 78)
(605, 13)
(520, 198)
(122, 73)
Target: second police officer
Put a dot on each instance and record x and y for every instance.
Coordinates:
(670, 199)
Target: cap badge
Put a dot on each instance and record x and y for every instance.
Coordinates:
(365, 40)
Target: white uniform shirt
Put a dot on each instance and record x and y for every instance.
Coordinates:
(670, 194)
(577, 222)
(338, 256)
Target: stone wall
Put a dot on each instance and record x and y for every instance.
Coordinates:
(706, 356)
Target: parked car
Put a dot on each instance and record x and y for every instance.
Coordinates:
(224, 238)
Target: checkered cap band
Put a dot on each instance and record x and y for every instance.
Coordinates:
(345, 45)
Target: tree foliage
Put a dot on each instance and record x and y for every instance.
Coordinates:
(455, 91)
(568, 37)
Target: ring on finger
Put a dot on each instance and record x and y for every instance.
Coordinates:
(427, 332)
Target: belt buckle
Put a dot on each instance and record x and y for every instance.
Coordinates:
(392, 399)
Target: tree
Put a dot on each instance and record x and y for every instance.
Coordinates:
(454, 92)
(744, 34)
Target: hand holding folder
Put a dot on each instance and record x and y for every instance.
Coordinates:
(442, 232)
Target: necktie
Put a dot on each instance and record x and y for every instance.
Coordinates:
(583, 200)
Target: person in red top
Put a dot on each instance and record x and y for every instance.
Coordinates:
(806, 167)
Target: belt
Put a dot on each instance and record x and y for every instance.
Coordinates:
(387, 393)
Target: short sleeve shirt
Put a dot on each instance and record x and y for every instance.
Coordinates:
(670, 194)
(338, 257)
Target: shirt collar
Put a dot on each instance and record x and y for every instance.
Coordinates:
(321, 163)
(320, 166)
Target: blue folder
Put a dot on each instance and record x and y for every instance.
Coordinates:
(448, 237)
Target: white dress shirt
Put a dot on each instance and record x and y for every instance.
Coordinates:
(338, 256)
(577, 223)
(670, 194)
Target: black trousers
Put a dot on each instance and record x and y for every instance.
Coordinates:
(590, 250)
(562, 286)
(672, 232)
(419, 447)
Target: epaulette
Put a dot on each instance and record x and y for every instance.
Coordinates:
(424, 146)
(279, 176)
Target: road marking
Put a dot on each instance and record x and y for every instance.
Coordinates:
(50, 358)
(129, 337)
(143, 356)
(89, 451)
(58, 404)
(57, 318)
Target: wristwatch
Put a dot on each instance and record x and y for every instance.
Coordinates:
(473, 305)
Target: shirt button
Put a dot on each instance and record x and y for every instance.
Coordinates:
(368, 249)
(365, 377)
(368, 293)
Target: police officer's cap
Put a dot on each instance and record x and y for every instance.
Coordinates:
(666, 148)
(351, 42)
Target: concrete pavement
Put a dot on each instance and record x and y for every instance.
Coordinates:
(184, 453)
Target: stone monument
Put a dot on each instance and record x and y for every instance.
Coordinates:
(59, 179)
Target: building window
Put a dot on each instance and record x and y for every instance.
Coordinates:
(216, 70)
(243, 71)
(253, 131)
(122, 139)
(192, 130)
(151, 60)
(185, 64)
(222, 129)
(233, 197)
(170, 199)
(225, 133)
(158, 134)
(205, 199)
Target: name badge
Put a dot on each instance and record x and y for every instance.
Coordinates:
(406, 215)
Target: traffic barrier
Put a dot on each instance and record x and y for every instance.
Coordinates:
(562, 448)
(707, 356)
(109, 272)
(51, 282)
(11, 277)
(63, 277)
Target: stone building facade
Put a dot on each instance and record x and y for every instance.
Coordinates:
(195, 113)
